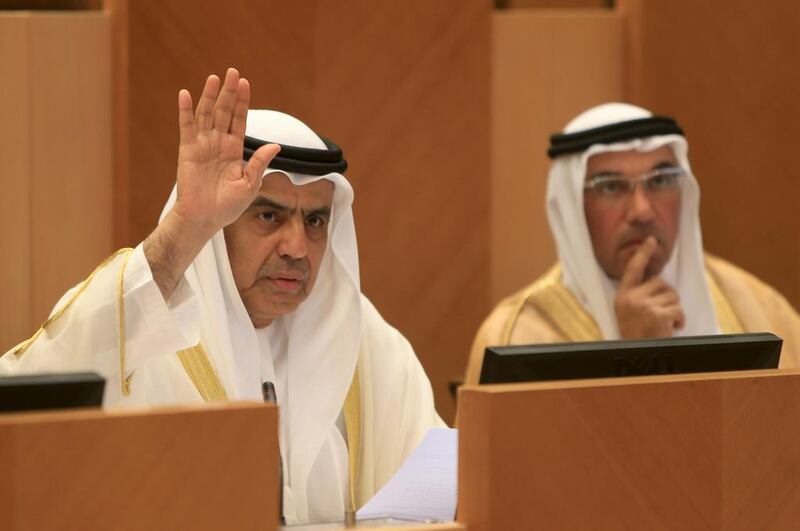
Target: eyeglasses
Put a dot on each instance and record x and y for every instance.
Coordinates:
(660, 181)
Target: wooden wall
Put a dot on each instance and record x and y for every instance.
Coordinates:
(403, 87)
(55, 160)
(548, 65)
(728, 72)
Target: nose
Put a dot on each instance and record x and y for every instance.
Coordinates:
(293, 242)
(640, 209)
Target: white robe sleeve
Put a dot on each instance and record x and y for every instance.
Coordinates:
(84, 330)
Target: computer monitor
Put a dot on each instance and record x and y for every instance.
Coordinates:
(602, 359)
(51, 391)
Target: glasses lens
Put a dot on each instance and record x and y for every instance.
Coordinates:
(667, 179)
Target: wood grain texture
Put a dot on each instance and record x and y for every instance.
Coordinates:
(548, 66)
(165, 469)
(402, 87)
(727, 72)
(556, 4)
(71, 171)
(641, 453)
(56, 161)
(15, 162)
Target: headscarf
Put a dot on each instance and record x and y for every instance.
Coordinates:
(581, 272)
(321, 338)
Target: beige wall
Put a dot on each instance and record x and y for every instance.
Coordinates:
(548, 65)
(55, 160)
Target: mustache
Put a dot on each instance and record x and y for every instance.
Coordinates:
(286, 267)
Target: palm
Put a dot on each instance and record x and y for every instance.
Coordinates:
(210, 178)
(214, 187)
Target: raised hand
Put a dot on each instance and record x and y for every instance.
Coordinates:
(214, 186)
(646, 307)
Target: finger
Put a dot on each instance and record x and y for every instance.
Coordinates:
(666, 298)
(655, 286)
(205, 105)
(676, 315)
(185, 116)
(254, 170)
(226, 101)
(239, 121)
(636, 266)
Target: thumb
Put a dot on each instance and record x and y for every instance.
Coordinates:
(254, 169)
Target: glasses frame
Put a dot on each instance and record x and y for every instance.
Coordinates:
(629, 183)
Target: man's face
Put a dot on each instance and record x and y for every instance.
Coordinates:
(276, 246)
(619, 225)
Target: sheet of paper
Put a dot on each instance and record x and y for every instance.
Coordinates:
(424, 488)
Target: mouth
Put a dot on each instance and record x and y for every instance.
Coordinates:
(288, 284)
(634, 243)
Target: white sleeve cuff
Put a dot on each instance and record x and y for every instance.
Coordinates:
(154, 326)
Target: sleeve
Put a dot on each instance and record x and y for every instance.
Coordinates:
(85, 328)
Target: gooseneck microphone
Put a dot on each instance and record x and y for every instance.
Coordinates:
(270, 397)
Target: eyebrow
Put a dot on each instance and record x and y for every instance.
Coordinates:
(261, 201)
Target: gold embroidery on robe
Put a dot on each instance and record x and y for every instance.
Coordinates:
(564, 313)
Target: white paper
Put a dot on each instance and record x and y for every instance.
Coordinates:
(424, 488)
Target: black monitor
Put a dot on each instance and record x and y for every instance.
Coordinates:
(51, 391)
(603, 359)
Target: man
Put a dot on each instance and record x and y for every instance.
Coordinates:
(250, 281)
(623, 207)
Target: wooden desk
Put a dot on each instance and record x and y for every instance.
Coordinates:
(177, 468)
(705, 451)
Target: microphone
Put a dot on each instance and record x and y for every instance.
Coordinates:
(270, 397)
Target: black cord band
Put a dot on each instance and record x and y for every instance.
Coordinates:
(301, 160)
(567, 143)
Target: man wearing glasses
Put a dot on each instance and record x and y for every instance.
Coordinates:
(623, 207)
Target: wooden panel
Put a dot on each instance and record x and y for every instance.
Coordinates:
(50, 5)
(678, 452)
(15, 153)
(558, 4)
(727, 72)
(165, 469)
(163, 47)
(548, 66)
(71, 181)
(403, 87)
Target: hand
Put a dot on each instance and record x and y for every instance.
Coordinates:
(646, 307)
(214, 185)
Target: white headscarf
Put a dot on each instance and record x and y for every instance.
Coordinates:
(321, 337)
(581, 272)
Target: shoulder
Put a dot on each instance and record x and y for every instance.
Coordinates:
(732, 278)
(752, 299)
(499, 326)
(758, 306)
